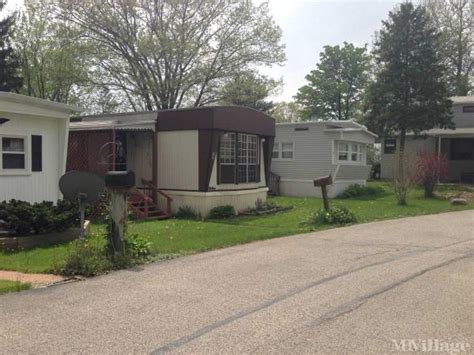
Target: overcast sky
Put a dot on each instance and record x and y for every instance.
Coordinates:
(308, 25)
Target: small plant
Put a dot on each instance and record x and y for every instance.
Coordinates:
(87, 257)
(137, 248)
(186, 212)
(357, 190)
(335, 215)
(222, 212)
(430, 169)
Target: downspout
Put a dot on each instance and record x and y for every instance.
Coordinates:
(439, 158)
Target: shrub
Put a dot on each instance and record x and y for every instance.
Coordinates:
(186, 212)
(24, 218)
(335, 215)
(357, 190)
(430, 169)
(221, 212)
(86, 257)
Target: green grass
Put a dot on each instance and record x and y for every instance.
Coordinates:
(176, 237)
(12, 286)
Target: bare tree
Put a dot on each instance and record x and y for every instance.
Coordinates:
(455, 19)
(172, 53)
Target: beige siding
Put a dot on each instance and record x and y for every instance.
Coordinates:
(35, 186)
(462, 119)
(140, 154)
(178, 160)
(412, 146)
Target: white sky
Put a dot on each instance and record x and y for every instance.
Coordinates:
(308, 25)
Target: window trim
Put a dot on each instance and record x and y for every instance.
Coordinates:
(11, 172)
(280, 151)
(360, 153)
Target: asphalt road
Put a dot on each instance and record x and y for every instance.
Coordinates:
(360, 289)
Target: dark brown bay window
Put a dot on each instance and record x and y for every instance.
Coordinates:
(239, 158)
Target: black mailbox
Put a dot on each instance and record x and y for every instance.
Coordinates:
(323, 181)
(119, 179)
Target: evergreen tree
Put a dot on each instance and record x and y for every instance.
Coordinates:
(9, 79)
(409, 93)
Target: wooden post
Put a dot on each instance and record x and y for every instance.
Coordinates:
(323, 182)
(118, 213)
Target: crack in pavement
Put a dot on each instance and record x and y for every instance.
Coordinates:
(246, 312)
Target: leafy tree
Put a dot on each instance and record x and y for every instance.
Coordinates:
(9, 78)
(455, 20)
(54, 60)
(286, 111)
(250, 89)
(409, 92)
(167, 53)
(335, 87)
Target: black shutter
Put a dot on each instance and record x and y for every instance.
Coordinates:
(36, 153)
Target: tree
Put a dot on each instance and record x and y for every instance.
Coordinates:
(335, 87)
(286, 111)
(171, 53)
(250, 89)
(9, 78)
(409, 93)
(53, 59)
(455, 20)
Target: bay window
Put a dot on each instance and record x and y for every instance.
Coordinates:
(239, 158)
(13, 153)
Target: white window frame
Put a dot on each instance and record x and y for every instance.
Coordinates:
(245, 158)
(360, 151)
(280, 151)
(26, 146)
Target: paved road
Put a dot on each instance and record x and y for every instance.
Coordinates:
(360, 289)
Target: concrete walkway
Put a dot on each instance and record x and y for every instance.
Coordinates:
(364, 289)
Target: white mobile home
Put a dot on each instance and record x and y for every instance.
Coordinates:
(33, 135)
(306, 150)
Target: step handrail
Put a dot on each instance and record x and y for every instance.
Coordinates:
(156, 191)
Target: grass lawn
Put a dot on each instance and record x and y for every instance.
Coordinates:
(175, 237)
(12, 286)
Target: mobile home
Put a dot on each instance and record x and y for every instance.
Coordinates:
(305, 150)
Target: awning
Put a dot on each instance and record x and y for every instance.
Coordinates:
(112, 124)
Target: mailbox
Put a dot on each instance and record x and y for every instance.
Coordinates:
(120, 179)
(323, 181)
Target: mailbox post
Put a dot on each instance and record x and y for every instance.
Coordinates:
(323, 182)
(118, 183)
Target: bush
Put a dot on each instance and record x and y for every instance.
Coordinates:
(186, 212)
(336, 215)
(221, 212)
(357, 190)
(430, 169)
(87, 257)
(24, 218)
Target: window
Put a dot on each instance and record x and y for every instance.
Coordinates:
(462, 149)
(467, 109)
(284, 150)
(227, 158)
(389, 146)
(239, 158)
(349, 152)
(287, 150)
(276, 151)
(13, 151)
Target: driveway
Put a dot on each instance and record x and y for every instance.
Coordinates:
(369, 288)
